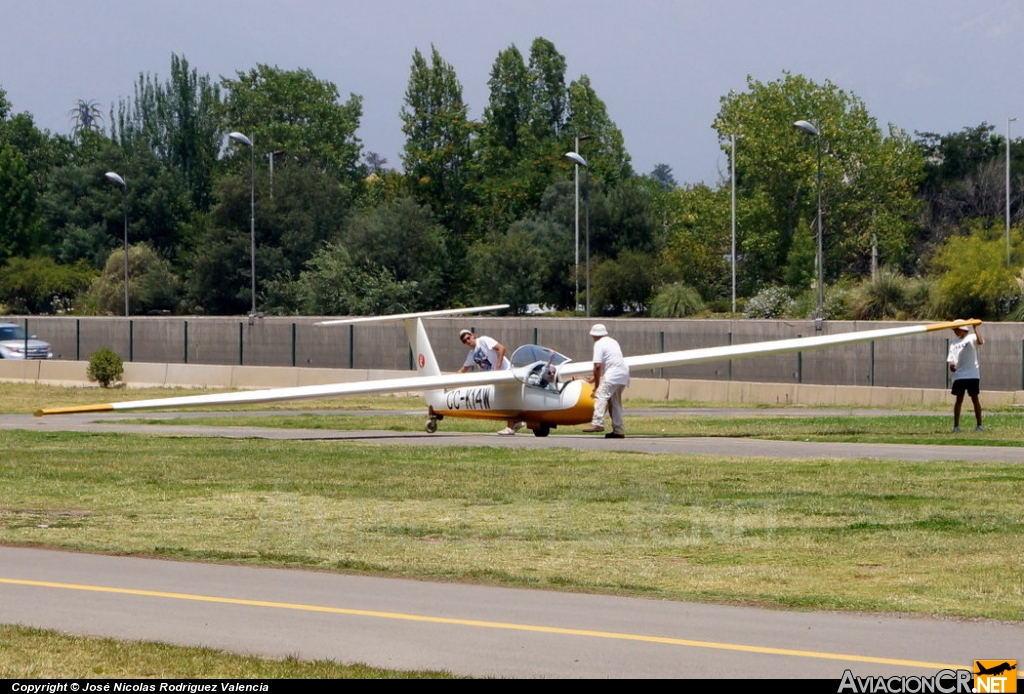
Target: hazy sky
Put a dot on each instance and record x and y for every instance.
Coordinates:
(661, 66)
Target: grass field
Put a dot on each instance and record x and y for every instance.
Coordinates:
(827, 534)
(926, 538)
(1003, 429)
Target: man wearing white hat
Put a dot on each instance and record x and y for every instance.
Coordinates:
(611, 376)
(963, 364)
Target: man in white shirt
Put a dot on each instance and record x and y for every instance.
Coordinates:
(488, 354)
(963, 364)
(611, 376)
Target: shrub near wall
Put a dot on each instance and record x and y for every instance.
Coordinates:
(106, 367)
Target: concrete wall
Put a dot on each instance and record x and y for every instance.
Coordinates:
(910, 362)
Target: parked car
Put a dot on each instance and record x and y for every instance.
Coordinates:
(14, 344)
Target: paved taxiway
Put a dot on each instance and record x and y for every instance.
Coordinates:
(720, 446)
(479, 630)
(470, 629)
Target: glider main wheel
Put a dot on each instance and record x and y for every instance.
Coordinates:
(431, 425)
(542, 430)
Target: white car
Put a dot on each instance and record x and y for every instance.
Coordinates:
(14, 344)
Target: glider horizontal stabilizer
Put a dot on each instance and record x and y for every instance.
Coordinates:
(396, 318)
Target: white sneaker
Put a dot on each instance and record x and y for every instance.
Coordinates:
(507, 431)
(519, 425)
(956, 430)
(979, 428)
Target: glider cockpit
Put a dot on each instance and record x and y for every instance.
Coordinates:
(537, 366)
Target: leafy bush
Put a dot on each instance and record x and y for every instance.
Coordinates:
(770, 302)
(106, 367)
(883, 298)
(837, 300)
(676, 300)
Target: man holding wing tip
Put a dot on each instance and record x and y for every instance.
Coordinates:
(962, 361)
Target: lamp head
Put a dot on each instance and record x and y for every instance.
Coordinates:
(240, 139)
(806, 127)
(574, 156)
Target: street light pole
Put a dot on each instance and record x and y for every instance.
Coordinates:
(805, 126)
(117, 180)
(732, 252)
(576, 239)
(576, 244)
(1008, 121)
(580, 161)
(243, 140)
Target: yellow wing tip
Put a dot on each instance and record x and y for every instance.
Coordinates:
(75, 410)
(949, 325)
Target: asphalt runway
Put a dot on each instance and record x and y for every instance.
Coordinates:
(720, 446)
(480, 630)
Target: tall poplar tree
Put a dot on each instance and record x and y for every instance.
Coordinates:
(505, 145)
(438, 150)
(177, 120)
(605, 148)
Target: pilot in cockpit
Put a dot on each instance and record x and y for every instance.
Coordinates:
(543, 376)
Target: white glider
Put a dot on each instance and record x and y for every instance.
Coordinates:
(543, 388)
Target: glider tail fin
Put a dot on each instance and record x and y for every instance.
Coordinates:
(422, 353)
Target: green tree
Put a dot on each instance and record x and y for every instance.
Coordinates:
(19, 207)
(105, 366)
(549, 97)
(544, 155)
(972, 277)
(27, 157)
(308, 209)
(662, 173)
(965, 180)
(178, 121)
(219, 280)
(438, 151)
(696, 238)
(334, 285)
(508, 191)
(801, 261)
(676, 300)
(294, 112)
(39, 285)
(508, 267)
(503, 131)
(403, 238)
(86, 116)
(152, 285)
(83, 212)
(623, 285)
(605, 148)
(869, 176)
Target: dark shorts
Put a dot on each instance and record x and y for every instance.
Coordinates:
(971, 386)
